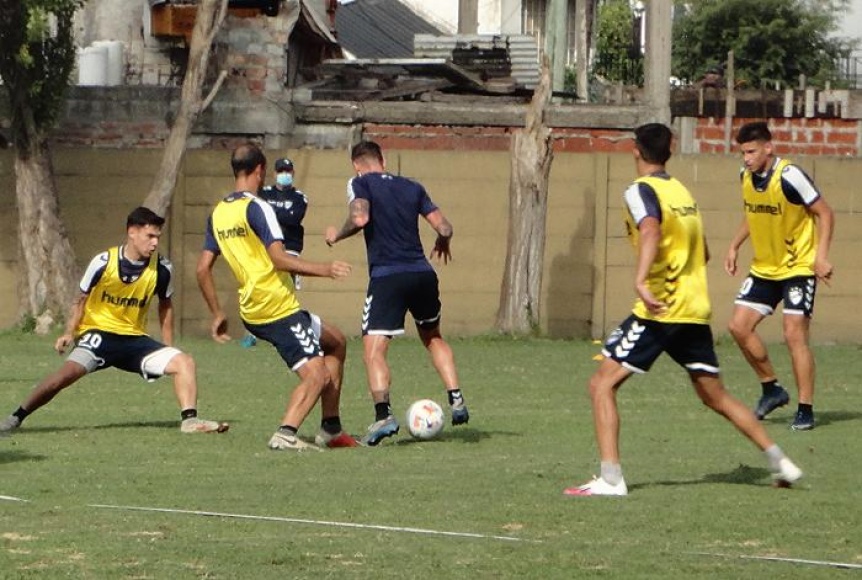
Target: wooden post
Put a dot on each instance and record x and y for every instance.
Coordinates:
(730, 102)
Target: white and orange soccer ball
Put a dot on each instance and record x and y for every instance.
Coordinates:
(425, 419)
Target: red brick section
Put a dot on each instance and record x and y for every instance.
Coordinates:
(790, 136)
(836, 137)
(446, 138)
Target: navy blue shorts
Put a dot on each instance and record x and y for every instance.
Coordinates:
(97, 349)
(637, 343)
(292, 336)
(389, 298)
(764, 295)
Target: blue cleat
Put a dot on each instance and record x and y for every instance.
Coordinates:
(770, 401)
(460, 415)
(380, 430)
(804, 421)
(248, 341)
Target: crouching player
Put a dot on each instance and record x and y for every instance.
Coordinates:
(108, 322)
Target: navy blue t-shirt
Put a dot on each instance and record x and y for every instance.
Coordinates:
(392, 233)
(290, 206)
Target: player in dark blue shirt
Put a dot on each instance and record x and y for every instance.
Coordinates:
(289, 204)
(387, 208)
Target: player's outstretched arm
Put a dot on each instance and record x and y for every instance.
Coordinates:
(357, 217)
(76, 313)
(166, 320)
(733, 251)
(648, 242)
(204, 271)
(444, 234)
(825, 227)
(295, 265)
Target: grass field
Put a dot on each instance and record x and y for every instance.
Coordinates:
(700, 500)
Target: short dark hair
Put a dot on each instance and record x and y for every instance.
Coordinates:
(754, 131)
(144, 216)
(246, 158)
(653, 141)
(368, 149)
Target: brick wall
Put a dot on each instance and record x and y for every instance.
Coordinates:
(460, 138)
(796, 136)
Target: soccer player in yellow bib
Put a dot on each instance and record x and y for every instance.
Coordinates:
(244, 229)
(790, 226)
(108, 325)
(671, 314)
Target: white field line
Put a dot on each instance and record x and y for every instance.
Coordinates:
(313, 522)
(844, 565)
(11, 498)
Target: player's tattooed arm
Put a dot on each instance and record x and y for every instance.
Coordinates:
(357, 217)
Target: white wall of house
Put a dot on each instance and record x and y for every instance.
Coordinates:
(444, 14)
(441, 13)
(110, 20)
(495, 16)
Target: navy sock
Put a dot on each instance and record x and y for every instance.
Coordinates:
(455, 397)
(21, 413)
(382, 410)
(805, 408)
(769, 386)
(287, 430)
(331, 425)
(188, 413)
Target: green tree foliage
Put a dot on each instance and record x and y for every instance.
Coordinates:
(772, 40)
(37, 56)
(618, 56)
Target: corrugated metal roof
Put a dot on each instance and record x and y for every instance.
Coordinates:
(523, 52)
(379, 28)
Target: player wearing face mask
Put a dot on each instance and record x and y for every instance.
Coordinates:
(289, 204)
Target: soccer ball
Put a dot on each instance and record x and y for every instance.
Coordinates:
(425, 419)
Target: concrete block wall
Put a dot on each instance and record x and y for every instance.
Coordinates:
(588, 267)
(253, 52)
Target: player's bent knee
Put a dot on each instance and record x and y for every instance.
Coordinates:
(168, 361)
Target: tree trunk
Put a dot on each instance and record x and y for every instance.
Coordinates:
(532, 153)
(46, 266)
(208, 21)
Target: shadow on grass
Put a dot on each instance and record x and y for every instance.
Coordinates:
(121, 425)
(460, 434)
(823, 418)
(742, 474)
(13, 455)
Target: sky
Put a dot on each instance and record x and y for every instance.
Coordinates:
(852, 24)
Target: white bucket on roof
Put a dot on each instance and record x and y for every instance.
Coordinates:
(93, 66)
(114, 72)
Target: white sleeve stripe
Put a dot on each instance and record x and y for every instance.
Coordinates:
(350, 194)
(169, 291)
(96, 266)
(271, 219)
(800, 182)
(635, 203)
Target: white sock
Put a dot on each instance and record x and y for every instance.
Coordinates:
(774, 455)
(612, 472)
